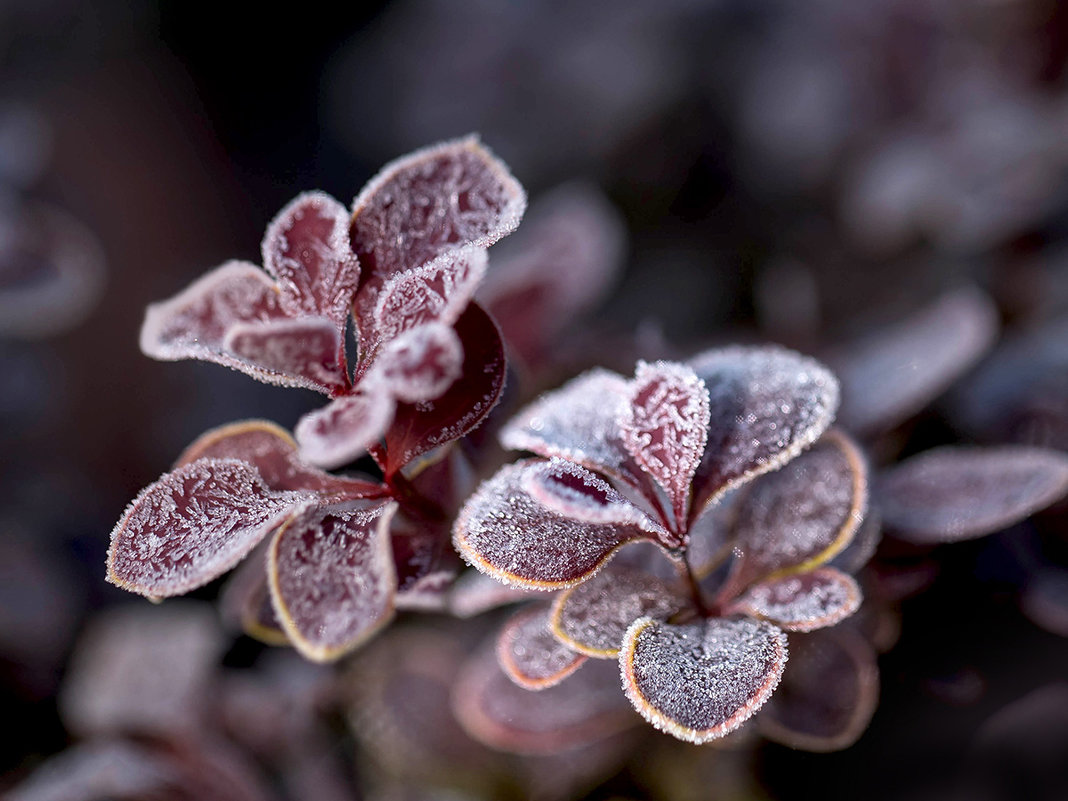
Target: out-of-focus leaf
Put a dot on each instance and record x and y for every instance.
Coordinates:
(245, 600)
(593, 617)
(194, 524)
(767, 405)
(665, 426)
(474, 592)
(897, 371)
(957, 493)
(802, 515)
(583, 709)
(1045, 600)
(710, 536)
(865, 542)
(333, 579)
(345, 428)
(828, 692)
(802, 602)
(420, 427)
(446, 196)
(504, 531)
(699, 681)
(529, 653)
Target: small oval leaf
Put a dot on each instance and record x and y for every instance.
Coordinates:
(802, 602)
(419, 364)
(529, 653)
(345, 428)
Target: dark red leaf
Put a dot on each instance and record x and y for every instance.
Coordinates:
(306, 347)
(418, 365)
(529, 653)
(345, 428)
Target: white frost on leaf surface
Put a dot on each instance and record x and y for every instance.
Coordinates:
(767, 404)
(345, 428)
(529, 653)
(445, 196)
(958, 493)
(898, 370)
(332, 579)
(306, 347)
(803, 514)
(436, 292)
(306, 248)
(700, 681)
(577, 422)
(504, 531)
(593, 617)
(803, 602)
(419, 364)
(194, 524)
(664, 427)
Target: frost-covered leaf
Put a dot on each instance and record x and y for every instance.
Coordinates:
(828, 693)
(584, 708)
(593, 617)
(420, 427)
(306, 248)
(271, 450)
(578, 422)
(474, 592)
(194, 524)
(332, 579)
(504, 531)
(767, 405)
(802, 515)
(529, 653)
(958, 493)
(306, 347)
(560, 262)
(345, 428)
(895, 372)
(245, 601)
(419, 364)
(446, 196)
(664, 427)
(436, 292)
(699, 681)
(804, 601)
(51, 269)
(194, 323)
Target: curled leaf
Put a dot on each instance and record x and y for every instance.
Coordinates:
(700, 681)
(419, 364)
(194, 524)
(332, 579)
(593, 617)
(767, 404)
(345, 428)
(802, 602)
(958, 493)
(529, 653)
(504, 531)
(305, 347)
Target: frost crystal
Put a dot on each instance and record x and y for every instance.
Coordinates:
(332, 579)
(957, 493)
(529, 653)
(803, 602)
(664, 427)
(766, 405)
(700, 681)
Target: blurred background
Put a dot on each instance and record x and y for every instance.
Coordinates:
(795, 172)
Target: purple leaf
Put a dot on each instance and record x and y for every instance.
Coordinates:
(420, 364)
(271, 450)
(194, 524)
(827, 695)
(345, 428)
(767, 405)
(474, 593)
(802, 602)
(959, 493)
(711, 536)
(700, 681)
(802, 515)
(665, 426)
(245, 601)
(306, 248)
(435, 199)
(436, 292)
(529, 653)
(584, 708)
(306, 347)
(862, 547)
(1045, 600)
(897, 371)
(593, 617)
(578, 422)
(504, 531)
(332, 579)
(421, 427)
